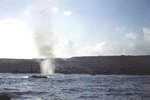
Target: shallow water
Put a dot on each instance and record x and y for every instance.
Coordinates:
(76, 87)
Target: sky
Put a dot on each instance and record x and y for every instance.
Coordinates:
(74, 28)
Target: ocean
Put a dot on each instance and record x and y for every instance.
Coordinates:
(75, 87)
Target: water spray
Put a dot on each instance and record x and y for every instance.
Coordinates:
(47, 66)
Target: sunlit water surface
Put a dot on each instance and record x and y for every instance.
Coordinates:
(75, 87)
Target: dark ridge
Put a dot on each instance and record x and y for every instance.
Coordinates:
(19, 66)
(124, 64)
(134, 65)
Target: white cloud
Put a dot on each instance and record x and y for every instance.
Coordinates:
(29, 6)
(26, 12)
(16, 39)
(68, 12)
(55, 9)
(119, 28)
(131, 36)
(146, 34)
(104, 48)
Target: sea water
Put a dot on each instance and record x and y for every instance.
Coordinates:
(75, 87)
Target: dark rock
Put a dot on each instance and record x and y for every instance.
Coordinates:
(4, 97)
(36, 76)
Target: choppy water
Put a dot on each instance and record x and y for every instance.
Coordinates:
(76, 87)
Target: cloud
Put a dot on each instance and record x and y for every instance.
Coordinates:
(146, 34)
(106, 48)
(55, 9)
(68, 12)
(29, 6)
(131, 36)
(119, 28)
(16, 39)
(103, 48)
(27, 13)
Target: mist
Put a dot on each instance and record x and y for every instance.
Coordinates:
(44, 38)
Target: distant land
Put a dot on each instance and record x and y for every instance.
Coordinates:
(130, 65)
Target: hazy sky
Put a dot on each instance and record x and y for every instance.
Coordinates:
(80, 27)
